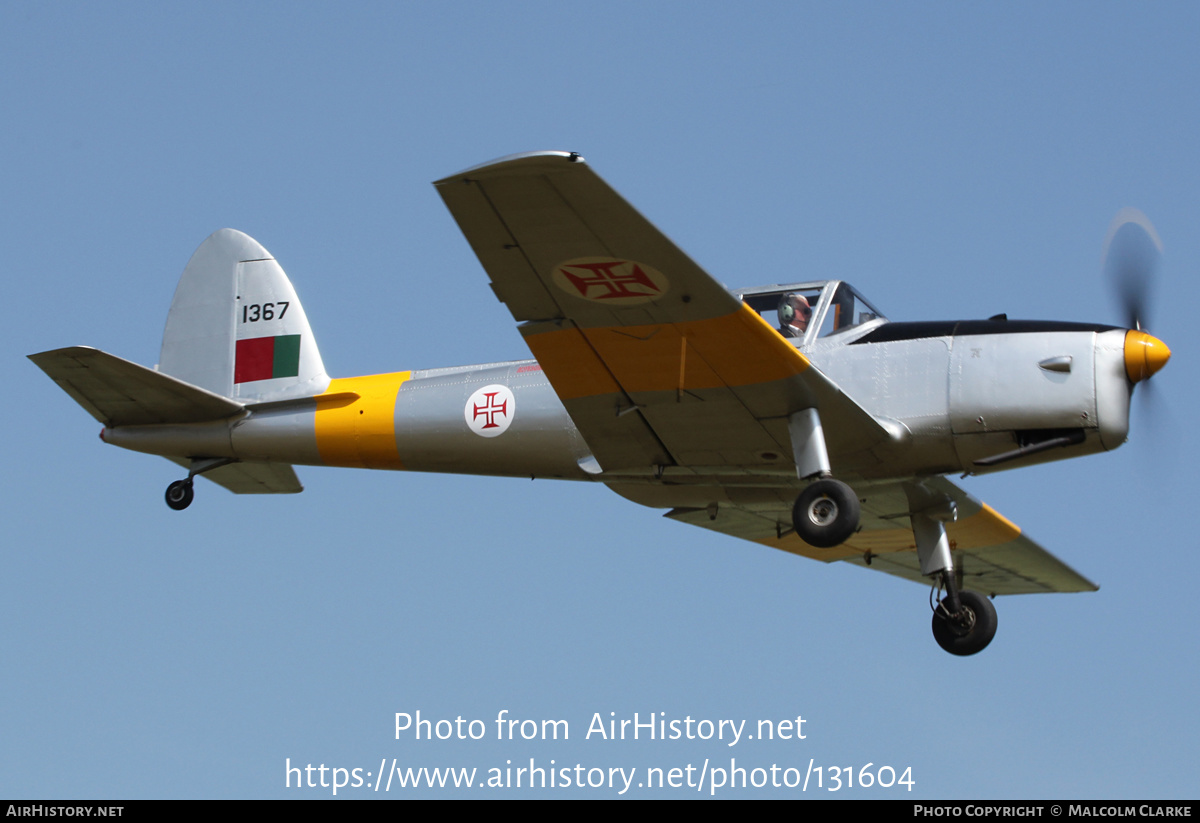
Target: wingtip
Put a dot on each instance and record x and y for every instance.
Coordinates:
(521, 162)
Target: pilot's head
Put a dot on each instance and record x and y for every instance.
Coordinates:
(794, 313)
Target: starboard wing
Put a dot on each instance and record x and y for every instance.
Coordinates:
(991, 553)
(657, 364)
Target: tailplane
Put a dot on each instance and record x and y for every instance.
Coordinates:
(236, 327)
(119, 393)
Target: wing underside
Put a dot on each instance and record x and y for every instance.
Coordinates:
(990, 552)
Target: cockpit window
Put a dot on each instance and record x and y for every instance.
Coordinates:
(846, 310)
(792, 310)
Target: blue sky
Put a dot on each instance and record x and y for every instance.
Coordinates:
(950, 160)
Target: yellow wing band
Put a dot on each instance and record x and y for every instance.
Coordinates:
(737, 349)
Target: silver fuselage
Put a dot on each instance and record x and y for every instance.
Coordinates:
(955, 393)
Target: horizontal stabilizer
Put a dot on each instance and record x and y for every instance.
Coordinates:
(252, 478)
(120, 393)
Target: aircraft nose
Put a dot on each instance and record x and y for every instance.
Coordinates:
(1144, 355)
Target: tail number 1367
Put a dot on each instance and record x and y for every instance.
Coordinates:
(264, 311)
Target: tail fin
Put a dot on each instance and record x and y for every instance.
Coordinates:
(236, 327)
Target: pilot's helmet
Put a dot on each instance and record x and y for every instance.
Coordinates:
(794, 311)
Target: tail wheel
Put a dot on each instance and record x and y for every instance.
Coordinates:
(826, 513)
(180, 494)
(970, 630)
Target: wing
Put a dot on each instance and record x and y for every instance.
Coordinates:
(657, 364)
(989, 551)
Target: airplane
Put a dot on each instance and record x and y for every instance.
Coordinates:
(732, 410)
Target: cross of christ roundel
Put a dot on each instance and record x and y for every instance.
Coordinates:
(490, 410)
(610, 280)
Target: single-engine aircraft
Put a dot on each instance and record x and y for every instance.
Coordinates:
(795, 416)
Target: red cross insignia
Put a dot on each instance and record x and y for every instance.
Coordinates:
(611, 281)
(490, 410)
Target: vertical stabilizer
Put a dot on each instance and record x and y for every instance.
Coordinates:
(236, 327)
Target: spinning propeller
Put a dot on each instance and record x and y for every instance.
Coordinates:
(1131, 254)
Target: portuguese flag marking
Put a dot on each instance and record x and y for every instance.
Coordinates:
(262, 358)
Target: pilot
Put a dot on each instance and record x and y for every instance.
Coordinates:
(794, 313)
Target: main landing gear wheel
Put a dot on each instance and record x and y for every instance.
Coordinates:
(826, 513)
(180, 494)
(970, 630)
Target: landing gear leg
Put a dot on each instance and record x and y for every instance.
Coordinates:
(964, 622)
(827, 512)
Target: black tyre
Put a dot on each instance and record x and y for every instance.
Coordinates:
(968, 632)
(826, 513)
(180, 494)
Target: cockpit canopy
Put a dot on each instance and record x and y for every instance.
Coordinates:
(834, 305)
